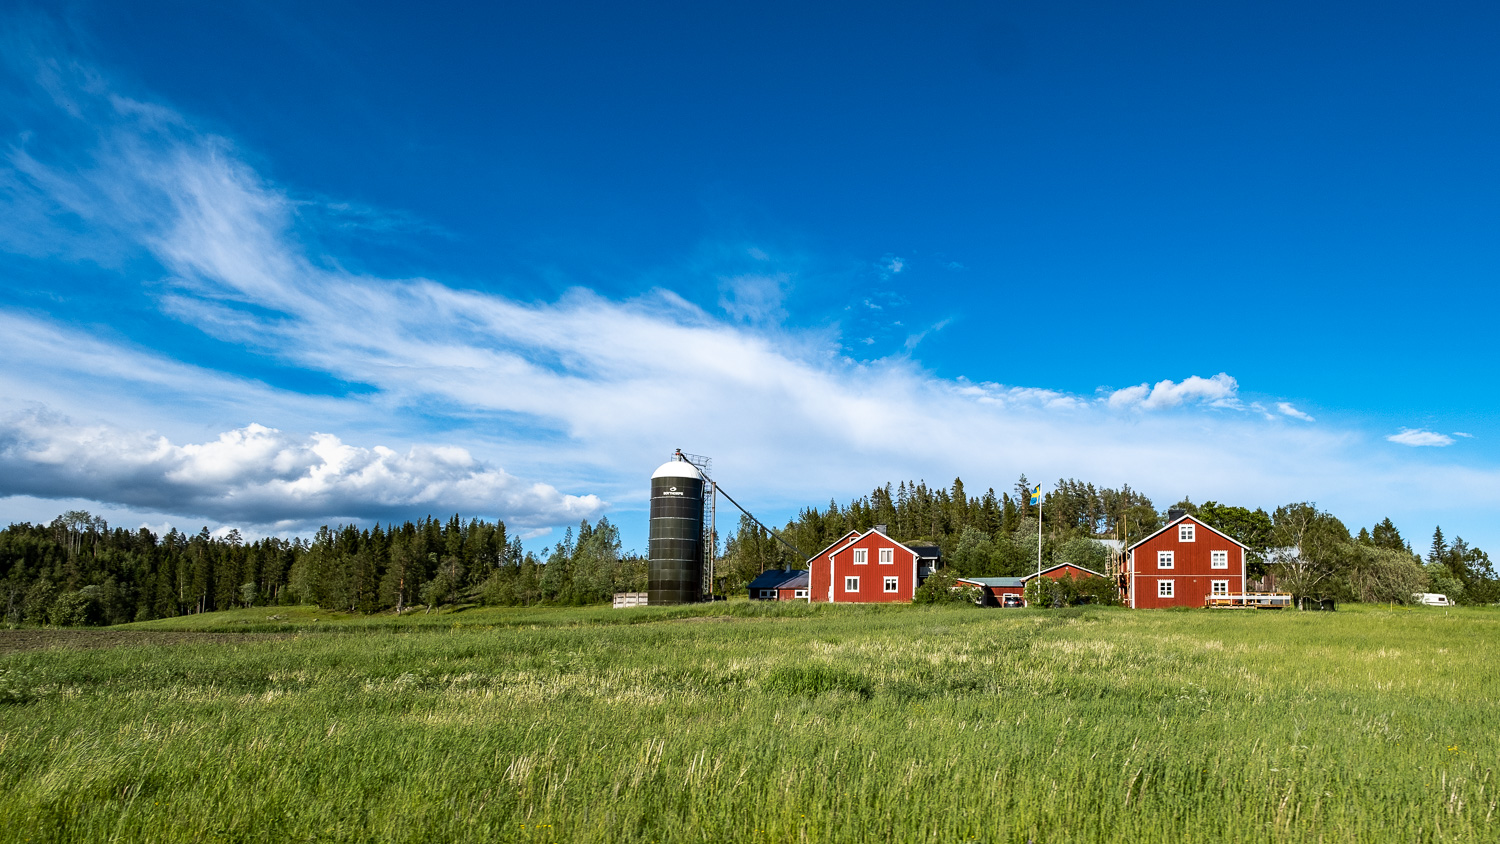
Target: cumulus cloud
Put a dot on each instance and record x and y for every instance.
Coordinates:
(1420, 437)
(1219, 391)
(264, 476)
(1287, 409)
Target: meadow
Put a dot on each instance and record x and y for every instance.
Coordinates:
(757, 723)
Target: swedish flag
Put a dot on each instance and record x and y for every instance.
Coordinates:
(1036, 495)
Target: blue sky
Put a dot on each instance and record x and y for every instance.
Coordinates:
(268, 266)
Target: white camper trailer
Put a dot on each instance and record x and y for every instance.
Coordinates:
(1432, 599)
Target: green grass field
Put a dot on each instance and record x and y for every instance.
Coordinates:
(743, 723)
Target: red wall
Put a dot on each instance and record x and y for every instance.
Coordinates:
(1191, 572)
(871, 575)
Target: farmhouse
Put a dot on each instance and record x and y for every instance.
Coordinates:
(779, 585)
(997, 588)
(869, 567)
(1182, 565)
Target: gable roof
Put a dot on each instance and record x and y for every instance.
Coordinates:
(847, 541)
(1189, 517)
(838, 541)
(1059, 566)
(779, 579)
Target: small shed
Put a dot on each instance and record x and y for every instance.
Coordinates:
(779, 585)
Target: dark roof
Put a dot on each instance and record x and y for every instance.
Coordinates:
(1006, 582)
(778, 579)
(927, 551)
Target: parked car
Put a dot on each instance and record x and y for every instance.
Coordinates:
(1432, 599)
(1012, 601)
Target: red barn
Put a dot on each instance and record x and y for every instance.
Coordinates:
(778, 585)
(868, 568)
(1183, 565)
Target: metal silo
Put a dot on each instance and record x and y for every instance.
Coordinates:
(675, 545)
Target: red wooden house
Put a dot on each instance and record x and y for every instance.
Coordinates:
(1182, 565)
(868, 568)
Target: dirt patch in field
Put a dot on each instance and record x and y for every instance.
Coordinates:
(16, 641)
(699, 619)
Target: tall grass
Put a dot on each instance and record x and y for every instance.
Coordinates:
(771, 724)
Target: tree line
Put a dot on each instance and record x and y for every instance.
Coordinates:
(1296, 547)
(77, 570)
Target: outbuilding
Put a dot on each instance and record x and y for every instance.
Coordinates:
(779, 585)
(997, 588)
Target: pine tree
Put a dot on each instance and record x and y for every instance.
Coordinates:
(1439, 548)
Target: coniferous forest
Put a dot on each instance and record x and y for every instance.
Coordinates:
(78, 570)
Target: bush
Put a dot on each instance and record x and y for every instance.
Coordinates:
(1070, 591)
(941, 587)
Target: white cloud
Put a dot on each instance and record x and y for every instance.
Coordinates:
(1218, 391)
(1287, 409)
(263, 476)
(1419, 437)
(1462, 434)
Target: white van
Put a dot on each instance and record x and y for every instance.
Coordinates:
(1432, 599)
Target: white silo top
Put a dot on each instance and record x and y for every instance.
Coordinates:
(676, 469)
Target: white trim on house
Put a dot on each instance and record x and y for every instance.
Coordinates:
(862, 556)
(1166, 560)
(851, 579)
(1196, 521)
(1218, 588)
(801, 593)
(892, 584)
(1219, 559)
(1185, 533)
(1166, 588)
(847, 541)
(887, 553)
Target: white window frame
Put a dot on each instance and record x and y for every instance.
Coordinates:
(887, 556)
(1166, 560)
(800, 593)
(1218, 559)
(851, 584)
(1218, 588)
(861, 556)
(1166, 588)
(1186, 533)
(893, 584)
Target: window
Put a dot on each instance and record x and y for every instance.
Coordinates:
(861, 556)
(1184, 533)
(768, 593)
(887, 555)
(851, 584)
(1164, 559)
(1219, 559)
(1164, 588)
(1219, 587)
(800, 593)
(892, 584)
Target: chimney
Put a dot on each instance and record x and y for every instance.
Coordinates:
(880, 529)
(1174, 514)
